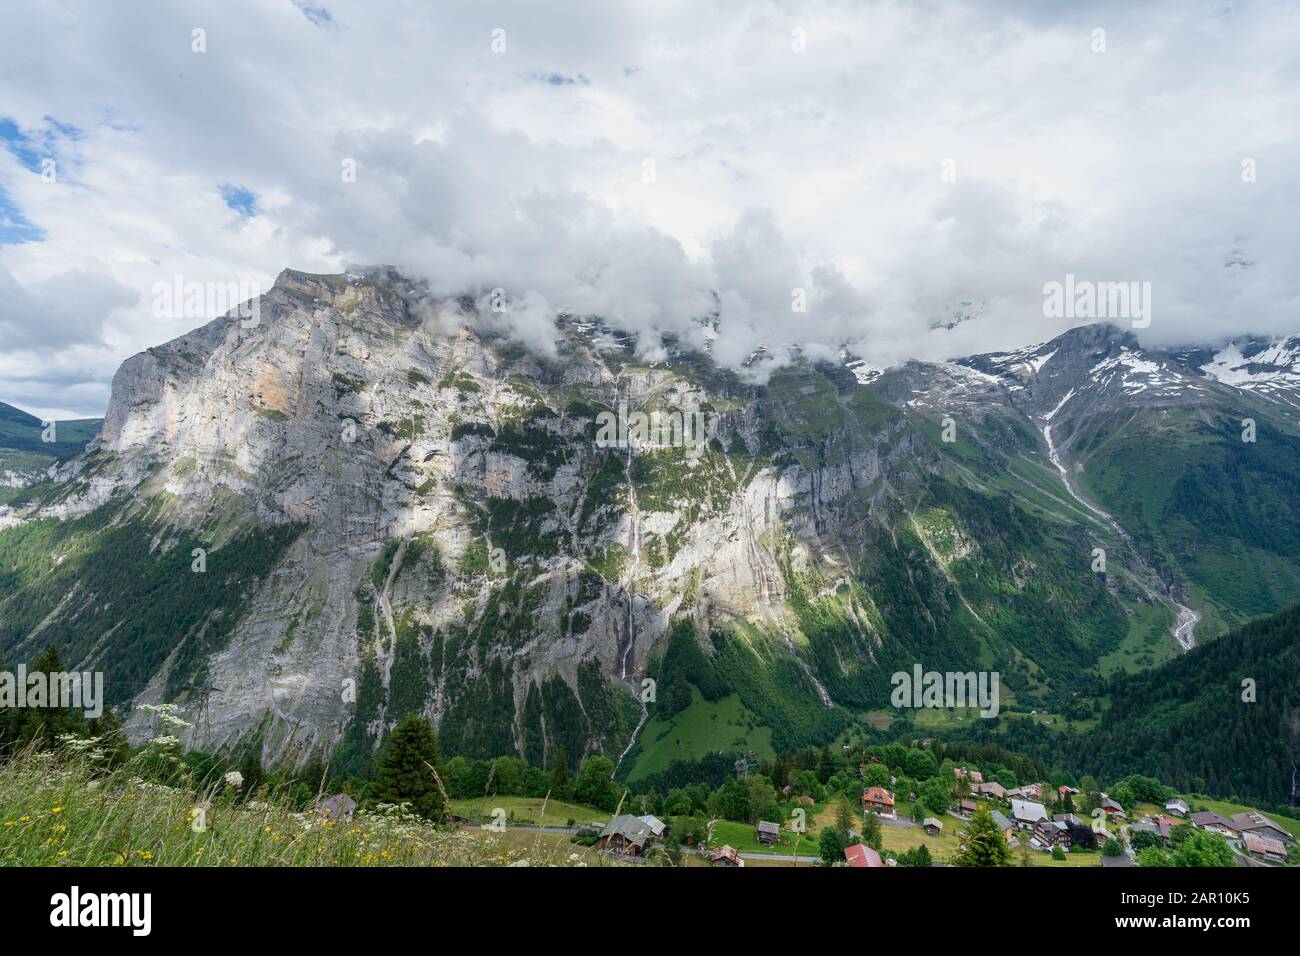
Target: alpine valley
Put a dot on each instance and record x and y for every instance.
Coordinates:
(367, 504)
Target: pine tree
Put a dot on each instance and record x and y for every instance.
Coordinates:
(48, 721)
(407, 770)
(982, 844)
(844, 815)
(250, 768)
(560, 785)
(871, 832)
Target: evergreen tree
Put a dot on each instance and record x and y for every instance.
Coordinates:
(112, 734)
(250, 768)
(314, 775)
(560, 785)
(44, 719)
(917, 856)
(871, 832)
(407, 769)
(844, 815)
(982, 844)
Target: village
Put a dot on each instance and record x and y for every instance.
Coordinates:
(1037, 824)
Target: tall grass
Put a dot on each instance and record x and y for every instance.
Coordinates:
(67, 809)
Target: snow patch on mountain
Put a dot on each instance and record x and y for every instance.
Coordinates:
(1264, 366)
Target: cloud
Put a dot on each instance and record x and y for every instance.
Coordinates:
(67, 310)
(896, 163)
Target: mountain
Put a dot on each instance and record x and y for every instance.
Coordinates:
(1222, 719)
(1195, 470)
(368, 504)
(25, 454)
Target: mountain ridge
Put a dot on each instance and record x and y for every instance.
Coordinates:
(408, 511)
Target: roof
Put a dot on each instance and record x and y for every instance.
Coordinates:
(1180, 804)
(1262, 844)
(634, 830)
(1108, 804)
(878, 795)
(969, 805)
(1002, 822)
(1208, 818)
(1254, 820)
(772, 828)
(994, 788)
(1027, 810)
(932, 822)
(725, 852)
(859, 855)
(656, 825)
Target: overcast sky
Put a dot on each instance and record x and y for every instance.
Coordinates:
(892, 160)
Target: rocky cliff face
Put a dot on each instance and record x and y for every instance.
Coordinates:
(467, 547)
(367, 503)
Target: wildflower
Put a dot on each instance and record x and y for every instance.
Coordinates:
(57, 810)
(234, 779)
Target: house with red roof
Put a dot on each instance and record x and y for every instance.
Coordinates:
(859, 855)
(879, 800)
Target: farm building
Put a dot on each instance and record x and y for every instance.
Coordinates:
(726, 856)
(1264, 848)
(628, 835)
(860, 856)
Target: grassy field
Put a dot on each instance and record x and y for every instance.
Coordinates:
(529, 810)
(63, 812)
(702, 728)
(1149, 642)
(744, 837)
